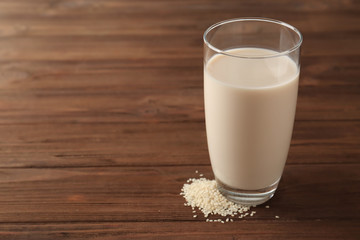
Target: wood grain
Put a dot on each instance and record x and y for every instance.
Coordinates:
(135, 144)
(149, 194)
(102, 120)
(266, 230)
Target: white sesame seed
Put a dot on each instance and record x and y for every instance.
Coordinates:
(231, 220)
(195, 216)
(222, 221)
(196, 171)
(277, 217)
(227, 220)
(267, 206)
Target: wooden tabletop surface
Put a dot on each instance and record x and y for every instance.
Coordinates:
(102, 120)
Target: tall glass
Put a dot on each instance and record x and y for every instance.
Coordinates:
(251, 74)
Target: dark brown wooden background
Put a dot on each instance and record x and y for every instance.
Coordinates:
(101, 120)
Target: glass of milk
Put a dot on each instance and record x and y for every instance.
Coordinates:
(251, 75)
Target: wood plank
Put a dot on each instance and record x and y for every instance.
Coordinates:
(190, 22)
(129, 93)
(71, 7)
(312, 192)
(154, 144)
(151, 48)
(124, 76)
(78, 10)
(67, 106)
(46, 31)
(255, 229)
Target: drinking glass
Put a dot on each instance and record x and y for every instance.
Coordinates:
(251, 75)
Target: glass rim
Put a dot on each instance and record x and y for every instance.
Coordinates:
(258, 19)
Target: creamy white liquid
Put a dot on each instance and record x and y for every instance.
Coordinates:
(250, 108)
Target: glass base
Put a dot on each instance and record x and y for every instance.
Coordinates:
(247, 197)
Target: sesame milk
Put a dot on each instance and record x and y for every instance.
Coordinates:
(250, 108)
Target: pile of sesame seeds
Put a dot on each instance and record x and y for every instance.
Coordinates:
(203, 194)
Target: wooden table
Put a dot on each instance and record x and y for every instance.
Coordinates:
(102, 120)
